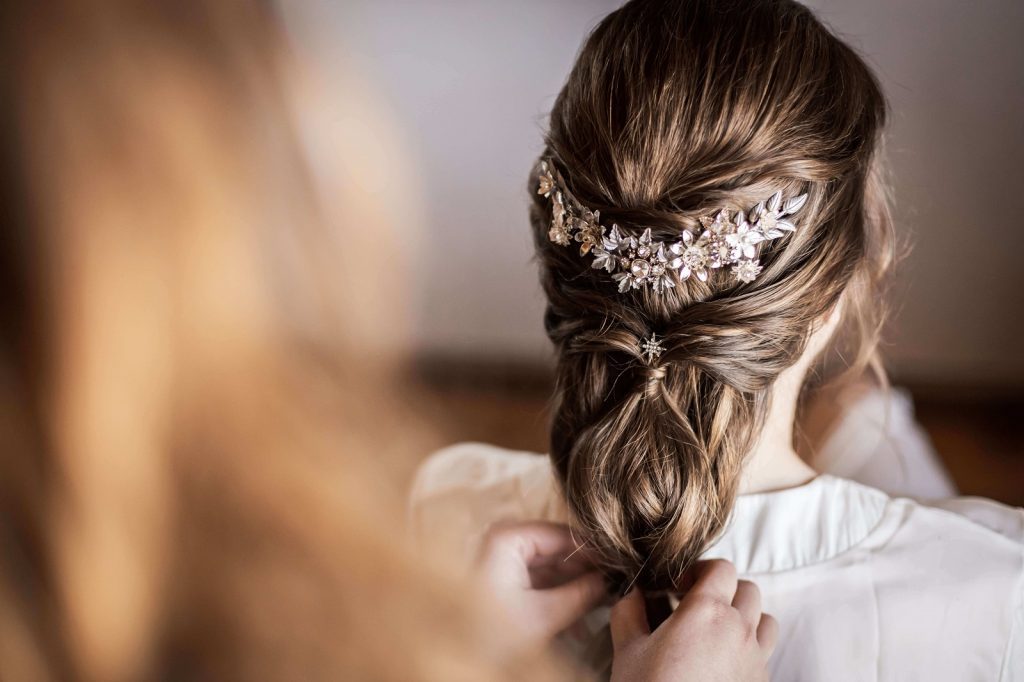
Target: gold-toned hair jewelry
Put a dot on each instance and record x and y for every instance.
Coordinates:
(639, 261)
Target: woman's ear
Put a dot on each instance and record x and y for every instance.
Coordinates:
(824, 330)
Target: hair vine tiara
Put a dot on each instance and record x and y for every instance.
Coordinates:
(639, 261)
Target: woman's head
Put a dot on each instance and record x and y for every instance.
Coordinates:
(674, 110)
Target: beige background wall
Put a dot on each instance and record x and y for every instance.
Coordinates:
(467, 84)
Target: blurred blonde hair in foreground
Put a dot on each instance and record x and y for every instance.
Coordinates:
(193, 478)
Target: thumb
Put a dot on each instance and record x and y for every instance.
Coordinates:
(566, 604)
(629, 620)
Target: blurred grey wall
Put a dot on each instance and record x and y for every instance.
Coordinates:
(469, 83)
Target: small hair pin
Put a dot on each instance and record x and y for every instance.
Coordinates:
(652, 348)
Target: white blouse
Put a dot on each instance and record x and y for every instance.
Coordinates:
(864, 586)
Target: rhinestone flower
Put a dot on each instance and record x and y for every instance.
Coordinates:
(720, 251)
(643, 261)
(745, 239)
(720, 224)
(746, 270)
(691, 258)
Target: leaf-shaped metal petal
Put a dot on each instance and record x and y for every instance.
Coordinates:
(645, 238)
(775, 201)
(684, 273)
(795, 204)
(687, 237)
(774, 234)
(613, 240)
(625, 281)
(603, 260)
(786, 225)
(756, 211)
(702, 275)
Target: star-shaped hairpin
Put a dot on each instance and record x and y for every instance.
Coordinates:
(652, 348)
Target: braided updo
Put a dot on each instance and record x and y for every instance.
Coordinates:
(674, 109)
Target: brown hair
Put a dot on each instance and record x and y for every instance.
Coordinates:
(675, 109)
(189, 484)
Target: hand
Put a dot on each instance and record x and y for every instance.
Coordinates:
(540, 578)
(717, 633)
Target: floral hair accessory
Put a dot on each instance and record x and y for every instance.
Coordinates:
(637, 261)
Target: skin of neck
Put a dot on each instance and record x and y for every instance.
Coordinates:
(774, 464)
